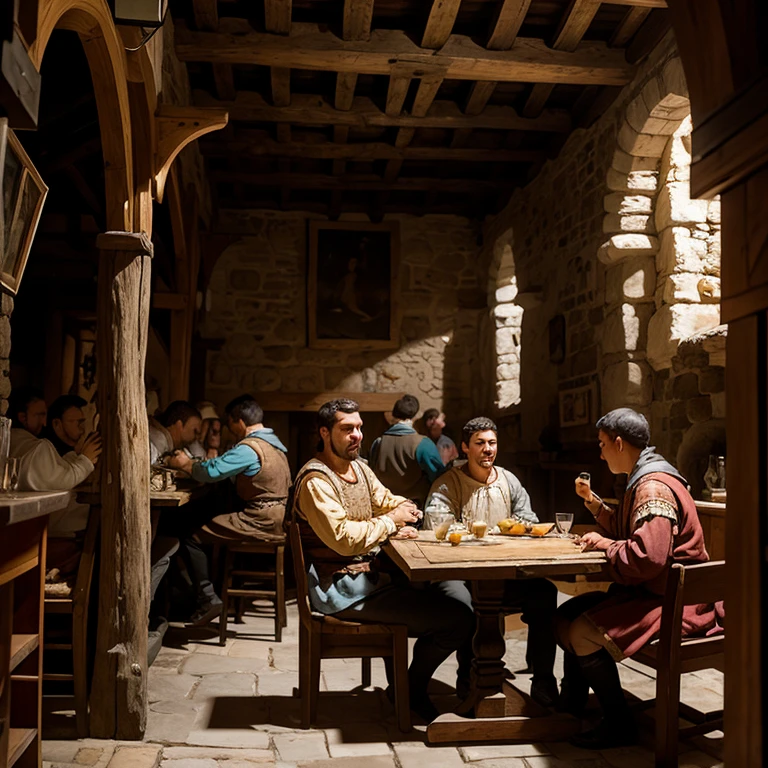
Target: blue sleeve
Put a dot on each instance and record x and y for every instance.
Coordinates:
(429, 459)
(238, 460)
(374, 452)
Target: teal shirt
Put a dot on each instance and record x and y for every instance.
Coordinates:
(239, 460)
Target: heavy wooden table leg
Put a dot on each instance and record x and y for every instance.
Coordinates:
(481, 716)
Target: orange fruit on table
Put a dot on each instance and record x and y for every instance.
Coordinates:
(455, 539)
(518, 529)
(541, 529)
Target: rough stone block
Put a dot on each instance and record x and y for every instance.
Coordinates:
(685, 387)
(135, 757)
(507, 393)
(674, 206)
(295, 747)
(673, 79)
(626, 163)
(637, 114)
(621, 247)
(506, 293)
(614, 223)
(513, 312)
(507, 340)
(679, 252)
(626, 205)
(640, 144)
(628, 383)
(718, 405)
(713, 211)
(699, 409)
(633, 280)
(712, 380)
(644, 181)
(671, 324)
(625, 329)
(508, 372)
(691, 288)
(6, 304)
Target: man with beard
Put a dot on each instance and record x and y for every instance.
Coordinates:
(655, 526)
(480, 491)
(344, 513)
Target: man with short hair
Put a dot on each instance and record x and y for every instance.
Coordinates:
(480, 491)
(176, 428)
(655, 526)
(434, 424)
(66, 423)
(259, 470)
(344, 514)
(404, 461)
(27, 410)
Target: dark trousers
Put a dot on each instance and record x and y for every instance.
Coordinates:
(536, 599)
(441, 623)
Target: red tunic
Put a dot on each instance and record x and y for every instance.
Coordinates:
(655, 526)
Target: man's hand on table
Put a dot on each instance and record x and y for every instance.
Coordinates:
(593, 541)
(406, 532)
(181, 461)
(405, 513)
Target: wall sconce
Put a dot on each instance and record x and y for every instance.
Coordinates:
(142, 13)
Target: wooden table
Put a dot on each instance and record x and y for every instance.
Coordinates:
(23, 525)
(500, 710)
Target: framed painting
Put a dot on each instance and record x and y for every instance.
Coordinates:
(353, 283)
(23, 195)
(576, 406)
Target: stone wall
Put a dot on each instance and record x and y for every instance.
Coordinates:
(258, 310)
(607, 236)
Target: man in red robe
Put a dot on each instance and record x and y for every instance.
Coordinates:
(655, 526)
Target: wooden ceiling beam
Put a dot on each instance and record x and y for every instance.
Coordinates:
(440, 23)
(258, 144)
(312, 110)
(277, 16)
(280, 78)
(641, 3)
(206, 14)
(506, 26)
(358, 15)
(359, 182)
(396, 93)
(573, 25)
(224, 80)
(628, 26)
(310, 47)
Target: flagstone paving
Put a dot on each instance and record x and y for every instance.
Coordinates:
(233, 706)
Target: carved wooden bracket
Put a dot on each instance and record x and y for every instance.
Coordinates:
(177, 127)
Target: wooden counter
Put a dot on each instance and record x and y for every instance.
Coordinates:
(712, 517)
(23, 526)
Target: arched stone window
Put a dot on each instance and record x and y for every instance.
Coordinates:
(507, 317)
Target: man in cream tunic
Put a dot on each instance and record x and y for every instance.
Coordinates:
(344, 513)
(480, 491)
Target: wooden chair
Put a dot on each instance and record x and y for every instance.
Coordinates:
(323, 637)
(275, 577)
(76, 605)
(671, 655)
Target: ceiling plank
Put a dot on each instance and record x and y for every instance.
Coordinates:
(511, 14)
(206, 13)
(440, 23)
(310, 47)
(357, 19)
(479, 94)
(628, 26)
(396, 93)
(224, 80)
(281, 86)
(359, 182)
(573, 25)
(277, 16)
(641, 3)
(313, 110)
(251, 143)
(345, 90)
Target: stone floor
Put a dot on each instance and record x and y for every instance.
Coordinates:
(232, 707)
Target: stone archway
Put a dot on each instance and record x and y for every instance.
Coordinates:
(662, 253)
(507, 319)
(106, 58)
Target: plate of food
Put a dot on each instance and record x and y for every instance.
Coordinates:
(511, 527)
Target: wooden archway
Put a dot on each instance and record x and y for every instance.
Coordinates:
(722, 46)
(106, 56)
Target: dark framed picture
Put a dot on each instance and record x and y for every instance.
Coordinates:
(23, 195)
(352, 290)
(576, 406)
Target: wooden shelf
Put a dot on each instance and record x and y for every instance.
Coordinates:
(21, 647)
(18, 740)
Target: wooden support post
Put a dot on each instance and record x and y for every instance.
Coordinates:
(119, 693)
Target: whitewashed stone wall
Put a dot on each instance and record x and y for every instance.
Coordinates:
(258, 310)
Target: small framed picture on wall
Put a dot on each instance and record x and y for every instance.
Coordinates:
(576, 406)
(353, 285)
(23, 195)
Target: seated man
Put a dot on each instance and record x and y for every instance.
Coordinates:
(208, 443)
(655, 526)
(66, 423)
(259, 469)
(478, 490)
(344, 513)
(434, 424)
(41, 468)
(404, 461)
(174, 429)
